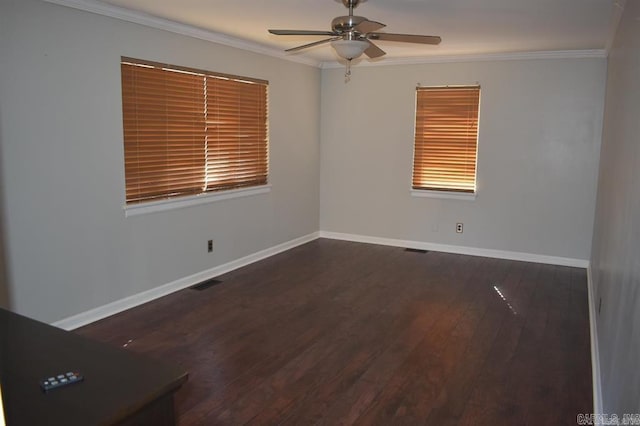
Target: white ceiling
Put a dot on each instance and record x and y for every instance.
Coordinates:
(467, 27)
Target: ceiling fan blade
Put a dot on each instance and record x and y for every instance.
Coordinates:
(315, 43)
(373, 51)
(406, 38)
(303, 32)
(367, 26)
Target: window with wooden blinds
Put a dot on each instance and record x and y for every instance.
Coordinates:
(446, 138)
(189, 131)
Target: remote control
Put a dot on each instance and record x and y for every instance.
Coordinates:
(59, 380)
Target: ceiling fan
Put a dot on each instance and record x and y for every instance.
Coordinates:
(351, 35)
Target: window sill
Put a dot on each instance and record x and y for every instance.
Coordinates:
(423, 193)
(193, 200)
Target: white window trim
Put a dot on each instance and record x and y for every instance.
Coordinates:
(444, 194)
(193, 200)
(451, 195)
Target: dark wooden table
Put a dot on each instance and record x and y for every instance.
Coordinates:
(119, 387)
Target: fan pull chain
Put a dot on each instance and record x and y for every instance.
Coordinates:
(347, 74)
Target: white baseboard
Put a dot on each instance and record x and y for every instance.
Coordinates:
(471, 251)
(595, 352)
(112, 308)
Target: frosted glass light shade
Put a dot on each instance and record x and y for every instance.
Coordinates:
(349, 49)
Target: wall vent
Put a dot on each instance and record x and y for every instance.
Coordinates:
(205, 284)
(413, 250)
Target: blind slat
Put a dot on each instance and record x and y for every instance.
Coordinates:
(187, 131)
(446, 138)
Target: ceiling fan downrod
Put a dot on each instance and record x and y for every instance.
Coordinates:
(351, 4)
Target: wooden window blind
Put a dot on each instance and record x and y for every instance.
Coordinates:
(446, 138)
(189, 131)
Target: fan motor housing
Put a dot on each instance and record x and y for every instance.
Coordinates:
(344, 24)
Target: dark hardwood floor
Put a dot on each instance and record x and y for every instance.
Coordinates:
(335, 332)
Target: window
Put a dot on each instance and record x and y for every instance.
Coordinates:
(446, 139)
(189, 131)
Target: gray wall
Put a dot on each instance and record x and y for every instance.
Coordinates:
(615, 260)
(539, 141)
(4, 287)
(70, 246)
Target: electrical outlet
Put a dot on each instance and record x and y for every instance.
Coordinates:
(210, 246)
(459, 227)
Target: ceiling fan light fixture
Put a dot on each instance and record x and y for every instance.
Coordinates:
(350, 49)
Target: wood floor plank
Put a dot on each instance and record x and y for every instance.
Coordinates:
(451, 402)
(335, 332)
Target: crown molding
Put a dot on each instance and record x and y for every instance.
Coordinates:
(97, 7)
(614, 22)
(148, 20)
(482, 57)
